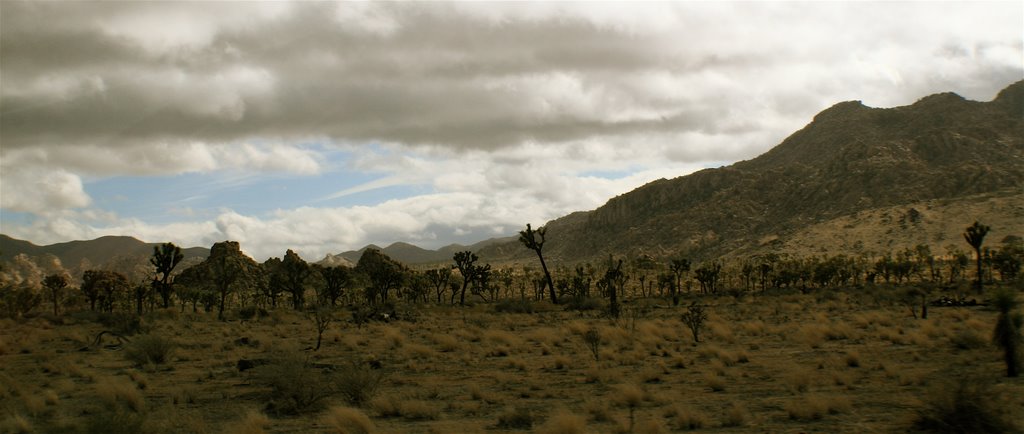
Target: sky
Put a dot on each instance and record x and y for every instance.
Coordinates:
(322, 127)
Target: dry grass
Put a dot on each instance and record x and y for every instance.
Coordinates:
(763, 363)
(116, 392)
(686, 418)
(346, 420)
(564, 423)
(253, 422)
(814, 406)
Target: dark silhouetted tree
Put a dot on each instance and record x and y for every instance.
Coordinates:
(438, 278)
(226, 271)
(534, 240)
(975, 236)
(679, 269)
(55, 284)
(382, 273)
(103, 286)
(165, 257)
(612, 282)
(335, 280)
(465, 262)
(295, 273)
(708, 275)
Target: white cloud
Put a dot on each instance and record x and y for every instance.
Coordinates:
(500, 112)
(40, 191)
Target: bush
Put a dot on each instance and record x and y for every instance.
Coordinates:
(969, 406)
(518, 418)
(358, 382)
(250, 312)
(149, 349)
(120, 323)
(345, 420)
(295, 385)
(513, 306)
(114, 422)
(584, 304)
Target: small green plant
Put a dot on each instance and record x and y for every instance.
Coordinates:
(149, 349)
(592, 338)
(694, 318)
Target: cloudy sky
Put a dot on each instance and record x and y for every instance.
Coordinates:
(325, 126)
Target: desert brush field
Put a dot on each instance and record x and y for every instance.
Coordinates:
(852, 360)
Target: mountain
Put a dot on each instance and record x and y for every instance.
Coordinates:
(110, 252)
(413, 255)
(851, 162)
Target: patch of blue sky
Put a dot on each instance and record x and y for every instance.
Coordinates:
(192, 196)
(607, 174)
(14, 218)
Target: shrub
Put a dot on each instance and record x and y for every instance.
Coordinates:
(115, 393)
(694, 318)
(295, 385)
(592, 338)
(346, 420)
(683, 418)
(149, 349)
(514, 306)
(517, 418)
(358, 382)
(967, 406)
(735, 415)
(812, 407)
(584, 304)
(253, 422)
(114, 422)
(250, 312)
(121, 322)
(564, 423)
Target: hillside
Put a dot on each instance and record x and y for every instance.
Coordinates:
(850, 159)
(119, 253)
(413, 255)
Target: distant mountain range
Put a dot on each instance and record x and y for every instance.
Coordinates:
(119, 252)
(944, 160)
(96, 252)
(413, 255)
(856, 180)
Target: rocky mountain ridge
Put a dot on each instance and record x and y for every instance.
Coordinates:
(850, 158)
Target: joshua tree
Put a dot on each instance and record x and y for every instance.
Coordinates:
(296, 272)
(438, 278)
(165, 257)
(56, 283)
(1007, 332)
(975, 236)
(612, 282)
(322, 318)
(464, 261)
(534, 240)
(694, 318)
(335, 280)
(679, 268)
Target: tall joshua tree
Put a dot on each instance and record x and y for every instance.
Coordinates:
(465, 261)
(165, 257)
(975, 236)
(534, 240)
(679, 268)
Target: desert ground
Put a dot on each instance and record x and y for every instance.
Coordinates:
(848, 360)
